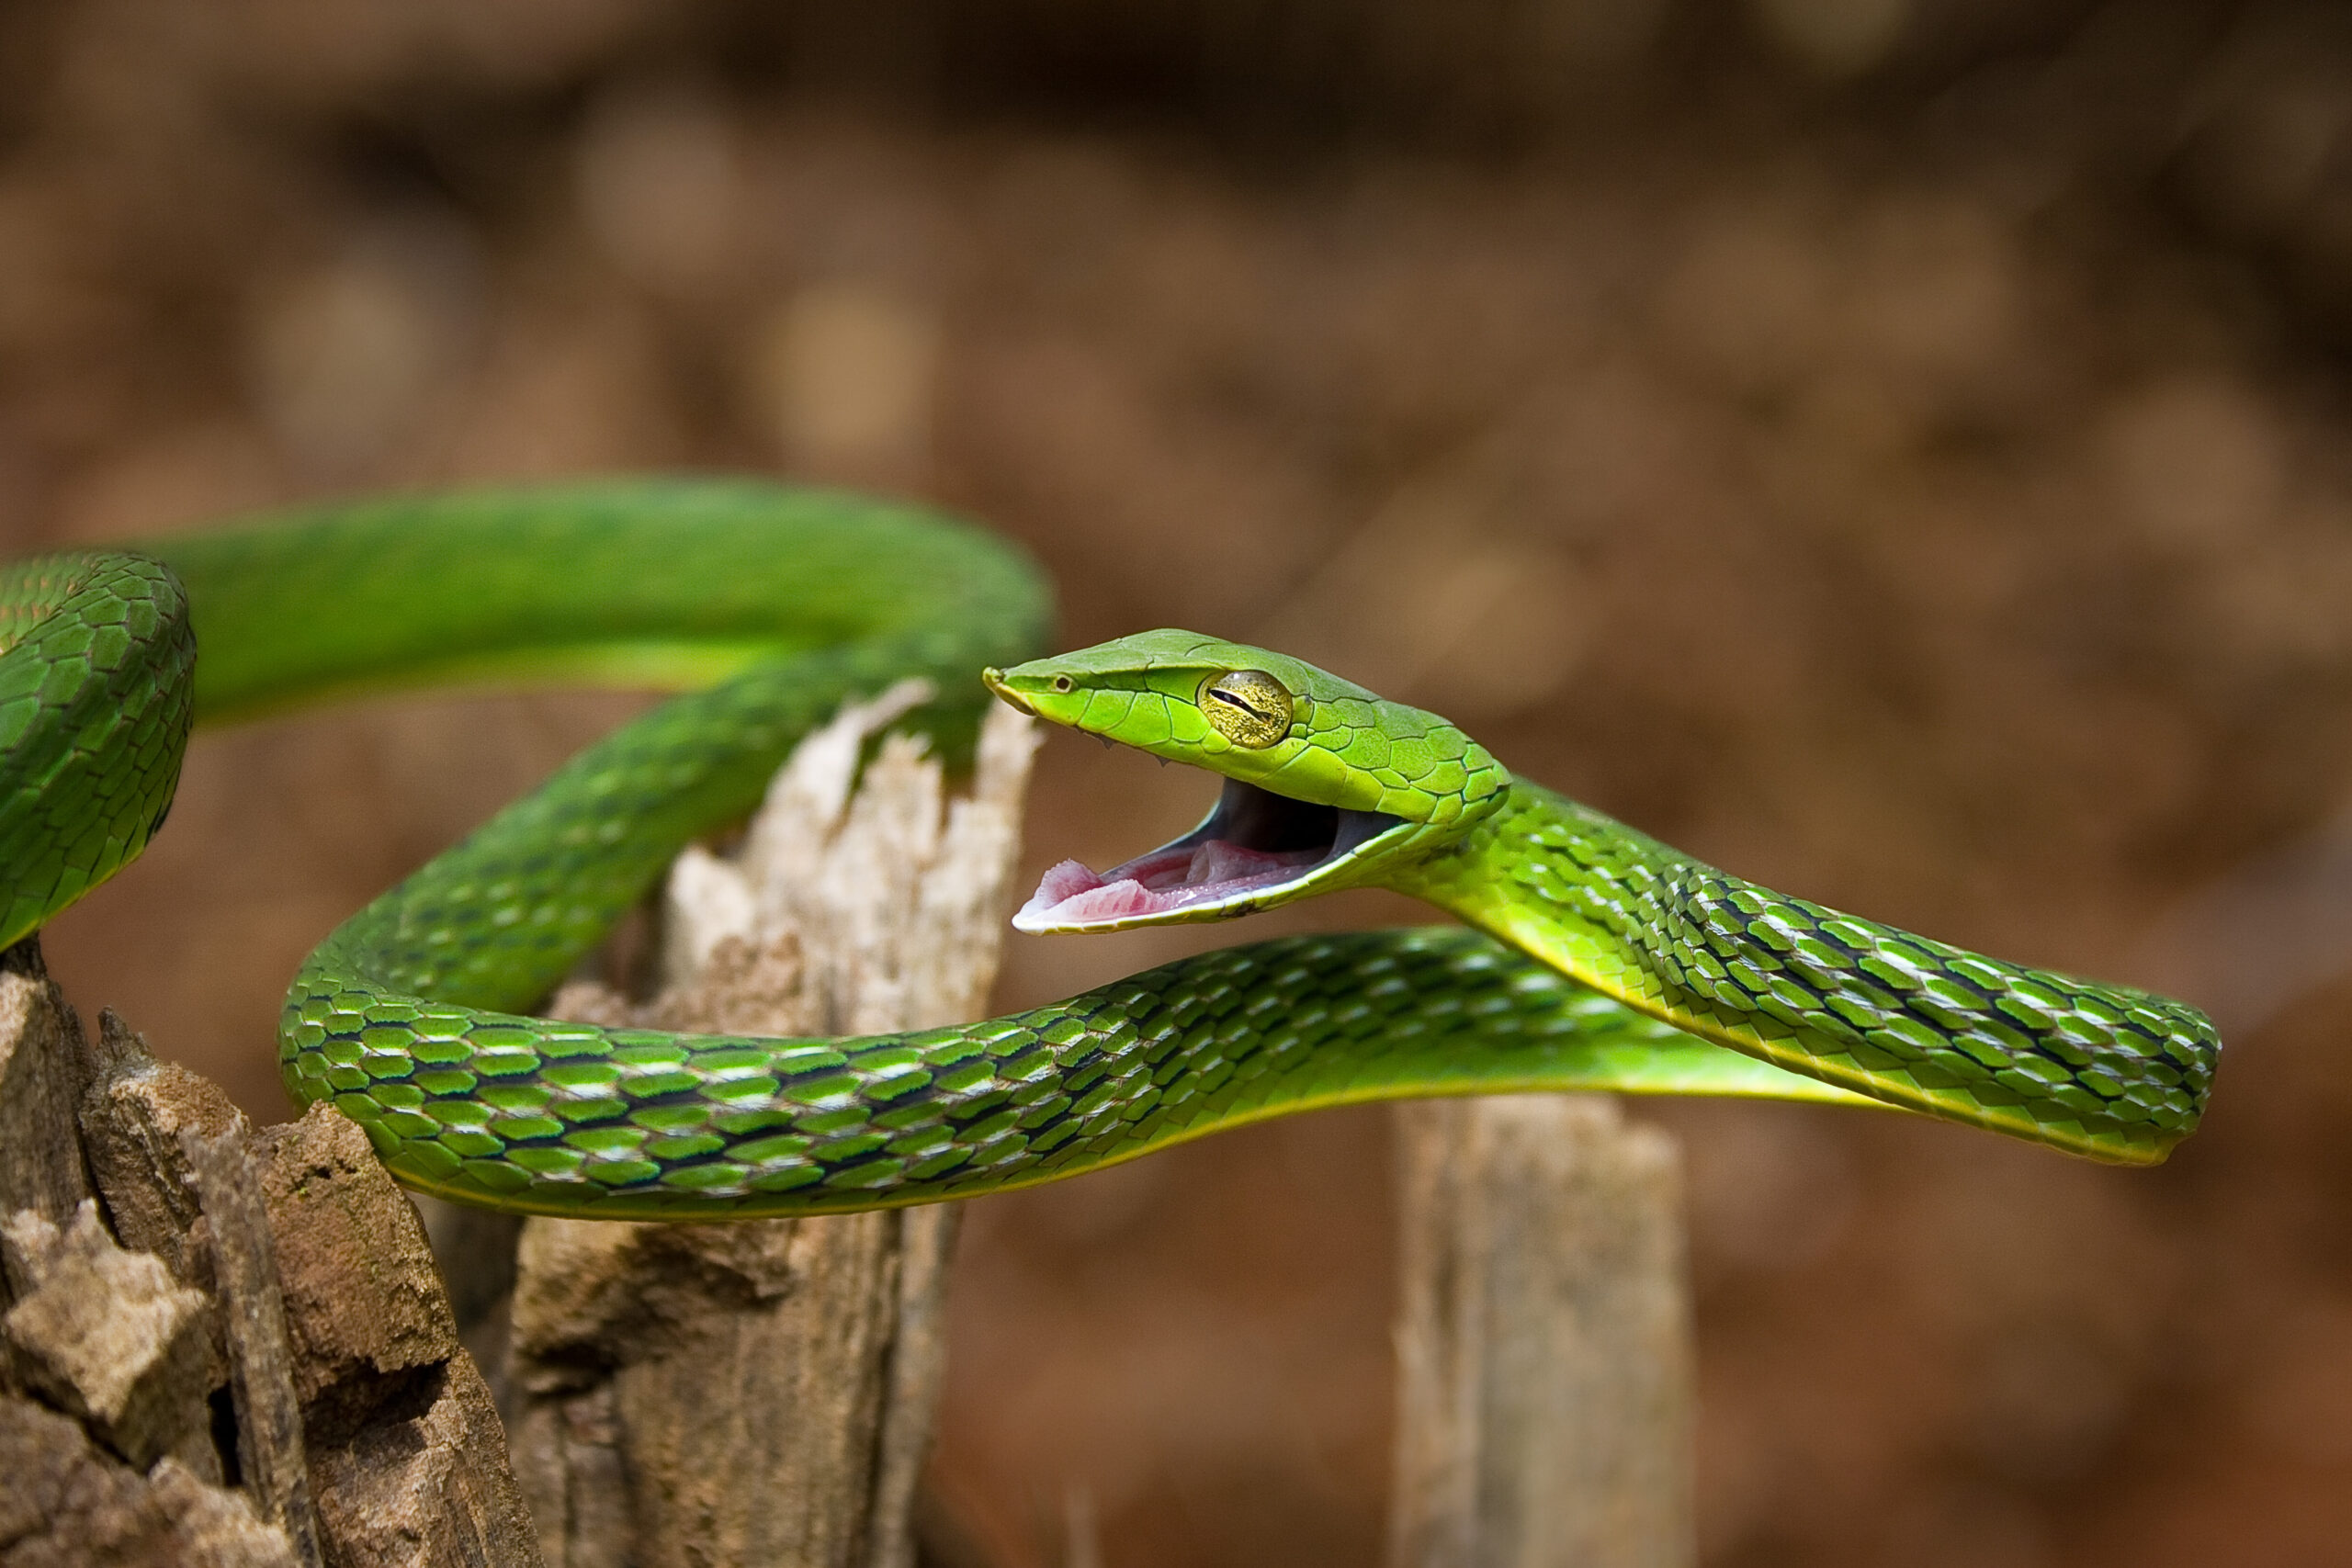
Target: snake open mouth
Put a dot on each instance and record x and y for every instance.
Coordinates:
(1256, 842)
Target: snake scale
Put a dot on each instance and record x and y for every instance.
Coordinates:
(1590, 956)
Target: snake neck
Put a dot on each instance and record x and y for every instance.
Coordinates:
(2100, 1069)
(1547, 875)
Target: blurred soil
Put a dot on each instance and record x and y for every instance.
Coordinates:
(1897, 451)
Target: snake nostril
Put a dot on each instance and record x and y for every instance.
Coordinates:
(1062, 682)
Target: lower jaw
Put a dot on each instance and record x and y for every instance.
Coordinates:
(1166, 883)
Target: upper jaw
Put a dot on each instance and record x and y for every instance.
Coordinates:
(1255, 849)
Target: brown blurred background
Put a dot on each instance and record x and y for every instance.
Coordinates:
(1894, 448)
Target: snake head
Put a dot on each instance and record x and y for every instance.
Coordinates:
(1327, 786)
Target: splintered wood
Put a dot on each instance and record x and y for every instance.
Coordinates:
(235, 1354)
(762, 1393)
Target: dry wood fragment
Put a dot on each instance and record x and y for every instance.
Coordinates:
(1545, 1403)
(106, 1435)
(762, 1393)
(348, 1382)
(106, 1335)
(42, 1061)
(69, 1505)
(366, 1318)
(431, 1489)
(133, 1112)
(405, 1452)
(261, 1372)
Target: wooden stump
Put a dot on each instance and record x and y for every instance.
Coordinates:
(761, 1392)
(1545, 1367)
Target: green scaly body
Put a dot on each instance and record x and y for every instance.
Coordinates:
(2099, 1070)
(772, 606)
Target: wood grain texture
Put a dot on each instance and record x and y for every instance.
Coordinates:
(1545, 1403)
(405, 1454)
(261, 1356)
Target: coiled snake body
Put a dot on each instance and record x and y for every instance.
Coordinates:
(1598, 958)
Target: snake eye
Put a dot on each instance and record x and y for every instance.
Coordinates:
(1247, 707)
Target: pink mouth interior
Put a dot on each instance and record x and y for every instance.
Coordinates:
(1177, 877)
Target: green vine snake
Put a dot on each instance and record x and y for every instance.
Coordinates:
(1590, 956)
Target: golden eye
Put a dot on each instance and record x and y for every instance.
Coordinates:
(1247, 707)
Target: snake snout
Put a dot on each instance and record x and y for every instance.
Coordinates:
(993, 679)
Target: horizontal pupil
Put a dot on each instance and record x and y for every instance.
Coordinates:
(1240, 702)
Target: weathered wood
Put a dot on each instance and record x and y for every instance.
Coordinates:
(406, 1455)
(134, 1112)
(110, 1361)
(918, 1366)
(42, 1062)
(762, 1393)
(104, 1336)
(260, 1373)
(430, 1489)
(723, 1390)
(1545, 1403)
(364, 1433)
(67, 1503)
(364, 1315)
